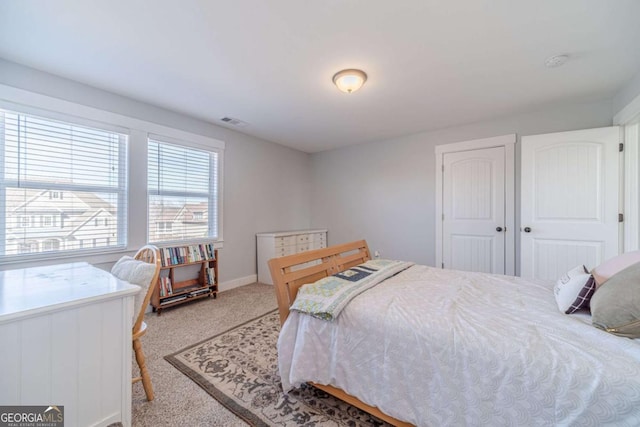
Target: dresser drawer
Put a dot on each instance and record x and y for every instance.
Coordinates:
(303, 238)
(285, 250)
(319, 240)
(284, 241)
(319, 237)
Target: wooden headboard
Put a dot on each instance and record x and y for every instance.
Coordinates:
(291, 272)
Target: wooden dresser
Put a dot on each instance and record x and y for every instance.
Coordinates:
(283, 243)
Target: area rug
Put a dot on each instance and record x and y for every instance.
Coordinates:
(239, 368)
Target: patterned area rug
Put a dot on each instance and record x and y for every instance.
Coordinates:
(239, 368)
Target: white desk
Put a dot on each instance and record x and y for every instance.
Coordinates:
(65, 339)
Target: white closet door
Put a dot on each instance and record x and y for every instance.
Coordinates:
(474, 210)
(569, 201)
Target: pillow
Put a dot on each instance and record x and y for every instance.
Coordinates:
(615, 307)
(614, 265)
(137, 273)
(574, 290)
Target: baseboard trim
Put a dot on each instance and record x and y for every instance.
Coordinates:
(228, 285)
(236, 283)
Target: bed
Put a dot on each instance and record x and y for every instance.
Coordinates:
(438, 347)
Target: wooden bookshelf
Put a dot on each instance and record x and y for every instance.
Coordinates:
(171, 289)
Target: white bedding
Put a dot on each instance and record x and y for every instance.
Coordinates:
(447, 348)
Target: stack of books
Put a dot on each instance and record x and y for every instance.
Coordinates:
(187, 254)
(173, 299)
(199, 292)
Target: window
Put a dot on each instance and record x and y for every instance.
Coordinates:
(22, 221)
(164, 227)
(183, 192)
(51, 245)
(51, 169)
(27, 248)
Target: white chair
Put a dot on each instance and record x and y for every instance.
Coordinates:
(142, 270)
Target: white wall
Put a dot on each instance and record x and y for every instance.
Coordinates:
(266, 185)
(384, 191)
(626, 94)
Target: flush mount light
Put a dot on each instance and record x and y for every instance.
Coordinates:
(555, 61)
(349, 80)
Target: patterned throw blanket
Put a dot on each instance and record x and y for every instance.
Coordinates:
(326, 298)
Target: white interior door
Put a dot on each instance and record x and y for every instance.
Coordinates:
(473, 207)
(569, 201)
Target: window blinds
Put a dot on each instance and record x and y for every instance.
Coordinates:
(64, 186)
(183, 192)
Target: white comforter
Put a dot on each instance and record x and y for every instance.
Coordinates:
(447, 348)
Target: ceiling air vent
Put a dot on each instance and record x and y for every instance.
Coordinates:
(233, 121)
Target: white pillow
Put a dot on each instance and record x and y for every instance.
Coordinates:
(574, 290)
(135, 272)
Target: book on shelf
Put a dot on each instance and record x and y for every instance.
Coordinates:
(210, 276)
(165, 286)
(199, 292)
(173, 299)
(187, 254)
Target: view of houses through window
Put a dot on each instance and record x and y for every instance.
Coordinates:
(37, 222)
(179, 220)
(79, 220)
(63, 187)
(182, 192)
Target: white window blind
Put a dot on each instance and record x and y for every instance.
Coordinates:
(64, 186)
(183, 192)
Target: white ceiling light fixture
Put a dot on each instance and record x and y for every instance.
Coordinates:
(555, 61)
(350, 80)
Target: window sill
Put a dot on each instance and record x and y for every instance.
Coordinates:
(94, 258)
(34, 260)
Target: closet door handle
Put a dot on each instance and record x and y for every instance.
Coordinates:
(527, 229)
(498, 229)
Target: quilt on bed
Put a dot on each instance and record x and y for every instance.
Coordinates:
(326, 298)
(444, 348)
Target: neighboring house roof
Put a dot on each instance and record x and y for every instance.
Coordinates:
(186, 214)
(164, 213)
(95, 202)
(86, 218)
(88, 200)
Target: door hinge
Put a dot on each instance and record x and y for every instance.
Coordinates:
(442, 168)
(620, 147)
(443, 265)
(620, 217)
(443, 217)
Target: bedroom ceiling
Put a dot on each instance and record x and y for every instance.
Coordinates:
(430, 63)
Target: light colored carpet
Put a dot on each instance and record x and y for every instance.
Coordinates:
(178, 400)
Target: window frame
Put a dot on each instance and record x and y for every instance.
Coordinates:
(139, 131)
(56, 190)
(213, 181)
